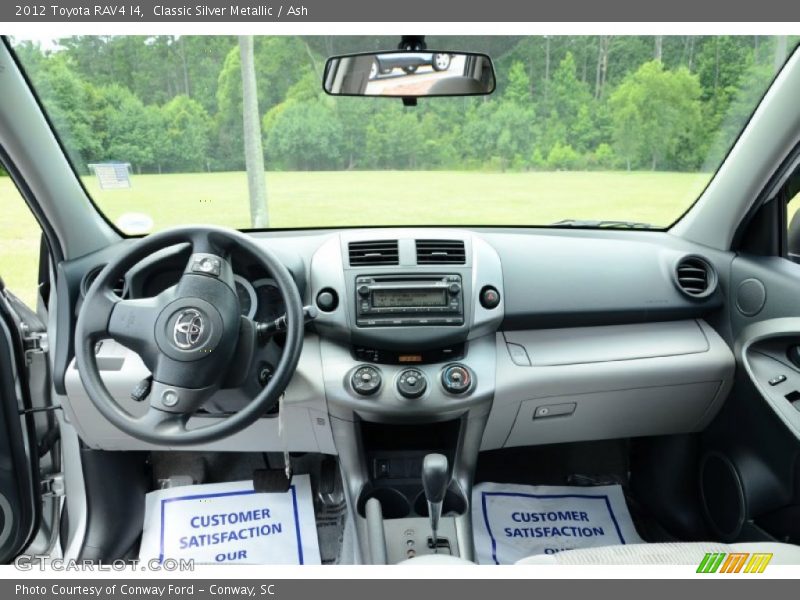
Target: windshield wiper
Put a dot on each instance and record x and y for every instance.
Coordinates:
(597, 224)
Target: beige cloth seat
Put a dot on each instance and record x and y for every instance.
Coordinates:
(688, 553)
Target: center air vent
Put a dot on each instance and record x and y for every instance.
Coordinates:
(695, 277)
(440, 252)
(377, 252)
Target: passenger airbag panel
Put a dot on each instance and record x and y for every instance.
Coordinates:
(550, 347)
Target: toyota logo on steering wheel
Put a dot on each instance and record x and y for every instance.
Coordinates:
(188, 329)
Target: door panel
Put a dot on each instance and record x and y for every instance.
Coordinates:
(749, 467)
(19, 483)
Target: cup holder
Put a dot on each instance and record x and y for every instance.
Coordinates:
(393, 503)
(454, 502)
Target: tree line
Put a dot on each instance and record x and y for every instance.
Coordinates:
(174, 104)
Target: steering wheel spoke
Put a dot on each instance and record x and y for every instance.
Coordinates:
(132, 323)
(163, 423)
(176, 399)
(208, 241)
(95, 321)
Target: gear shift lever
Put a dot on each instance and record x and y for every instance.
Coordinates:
(434, 482)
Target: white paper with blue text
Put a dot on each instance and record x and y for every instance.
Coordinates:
(512, 521)
(229, 523)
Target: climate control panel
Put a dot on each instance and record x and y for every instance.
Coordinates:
(456, 379)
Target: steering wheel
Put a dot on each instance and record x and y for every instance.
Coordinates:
(189, 336)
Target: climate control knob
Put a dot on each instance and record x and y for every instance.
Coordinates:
(366, 380)
(412, 383)
(457, 379)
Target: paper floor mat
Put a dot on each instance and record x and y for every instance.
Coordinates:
(229, 523)
(512, 521)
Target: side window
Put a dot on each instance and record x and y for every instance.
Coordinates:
(792, 214)
(20, 237)
(790, 197)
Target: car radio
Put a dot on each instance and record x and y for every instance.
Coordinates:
(392, 300)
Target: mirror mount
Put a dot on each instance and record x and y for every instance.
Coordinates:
(415, 43)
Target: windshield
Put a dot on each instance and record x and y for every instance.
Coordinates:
(615, 131)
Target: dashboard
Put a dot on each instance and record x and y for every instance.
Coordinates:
(533, 336)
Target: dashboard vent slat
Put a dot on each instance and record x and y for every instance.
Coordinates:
(375, 252)
(441, 252)
(695, 277)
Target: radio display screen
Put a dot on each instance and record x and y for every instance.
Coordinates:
(388, 298)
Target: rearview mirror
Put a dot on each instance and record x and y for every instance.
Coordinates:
(409, 74)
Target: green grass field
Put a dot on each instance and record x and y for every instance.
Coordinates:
(315, 199)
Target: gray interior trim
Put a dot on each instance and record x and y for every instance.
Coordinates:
(567, 279)
(553, 347)
(74, 489)
(649, 395)
(375, 532)
(306, 423)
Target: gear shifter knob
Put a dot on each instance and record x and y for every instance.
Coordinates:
(435, 479)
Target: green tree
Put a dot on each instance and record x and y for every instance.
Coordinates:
(569, 106)
(654, 112)
(133, 130)
(353, 114)
(186, 135)
(280, 62)
(563, 157)
(512, 126)
(305, 136)
(393, 139)
(551, 91)
(518, 89)
(69, 102)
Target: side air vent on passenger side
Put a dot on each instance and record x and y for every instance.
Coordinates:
(695, 277)
(376, 252)
(440, 252)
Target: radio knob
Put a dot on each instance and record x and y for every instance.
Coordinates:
(363, 290)
(411, 383)
(366, 380)
(456, 379)
(454, 289)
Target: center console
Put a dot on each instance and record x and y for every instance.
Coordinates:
(407, 344)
